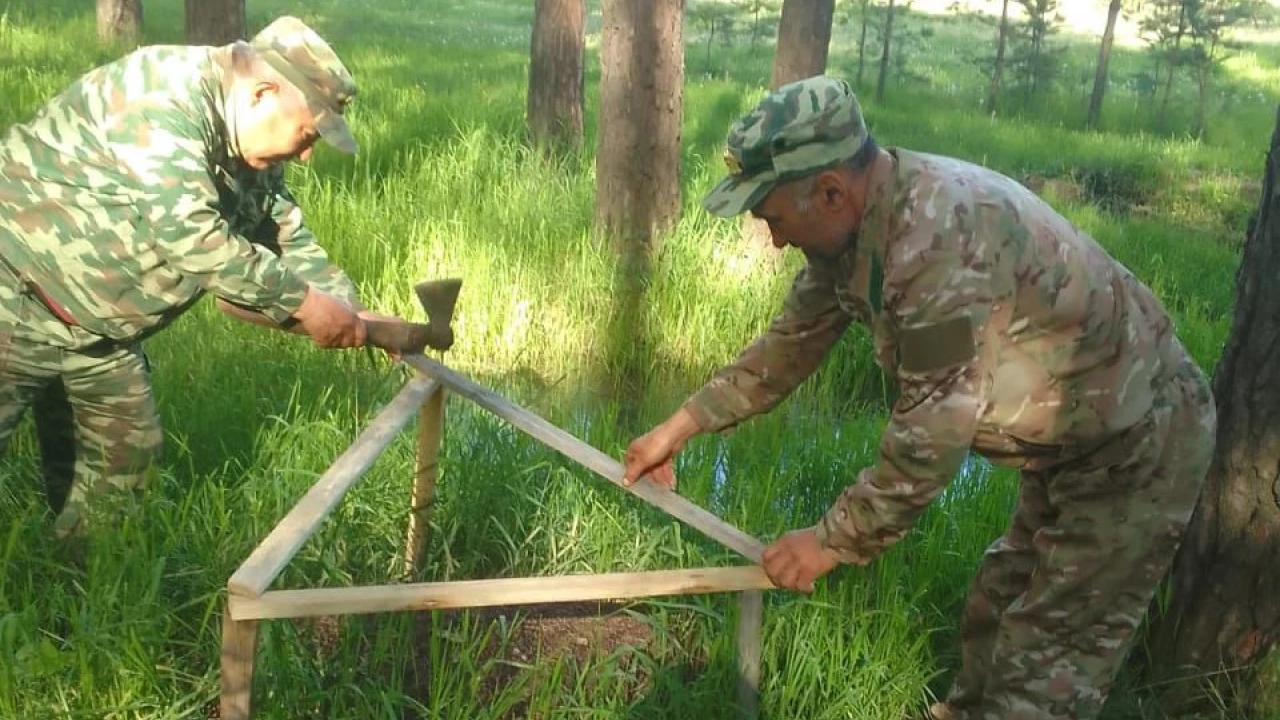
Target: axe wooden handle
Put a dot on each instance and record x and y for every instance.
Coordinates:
(402, 337)
(406, 337)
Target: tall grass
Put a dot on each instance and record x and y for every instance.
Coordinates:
(444, 186)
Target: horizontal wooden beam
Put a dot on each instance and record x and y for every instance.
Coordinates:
(257, 572)
(593, 459)
(502, 591)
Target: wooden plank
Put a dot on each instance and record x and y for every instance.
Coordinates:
(593, 459)
(502, 591)
(750, 618)
(239, 646)
(430, 431)
(257, 572)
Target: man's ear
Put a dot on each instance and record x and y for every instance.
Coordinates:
(262, 89)
(831, 189)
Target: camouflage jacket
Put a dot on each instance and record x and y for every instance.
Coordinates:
(1006, 328)
(123, 200)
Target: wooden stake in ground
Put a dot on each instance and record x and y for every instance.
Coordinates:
(750, 618)
(430, 431)
(239, 645)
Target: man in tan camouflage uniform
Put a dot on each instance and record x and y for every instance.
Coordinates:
(146, 184)
(1009, 331)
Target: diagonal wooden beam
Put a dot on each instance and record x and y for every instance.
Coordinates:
(498, 591)
(591, 458)
(257, 572)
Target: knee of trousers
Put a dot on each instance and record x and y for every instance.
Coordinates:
(133, 456)
(123, 461)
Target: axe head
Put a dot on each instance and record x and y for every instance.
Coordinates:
(438, 298)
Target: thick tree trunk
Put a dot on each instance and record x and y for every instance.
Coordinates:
(215, 22)
(804, 36)
(556, 72)
(641, 108)
(637, 173)
(119, 20)
(1224, 614)
(884, 54)
(993, 92)
(1104, 60)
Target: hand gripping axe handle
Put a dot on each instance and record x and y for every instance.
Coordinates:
(438, 298)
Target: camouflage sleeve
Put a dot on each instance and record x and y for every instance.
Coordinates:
(163, 150)
(779, 360)
(302, 254)
(939, 300)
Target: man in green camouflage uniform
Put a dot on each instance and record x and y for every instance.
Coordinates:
(146, 184)
(1009, 331)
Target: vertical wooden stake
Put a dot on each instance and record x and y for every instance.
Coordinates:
(750, 619)
(430, 432)
(239, 645)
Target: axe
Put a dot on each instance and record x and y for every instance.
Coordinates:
(438, 298)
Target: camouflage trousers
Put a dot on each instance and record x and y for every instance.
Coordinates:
(1055, 603)
(95, 414)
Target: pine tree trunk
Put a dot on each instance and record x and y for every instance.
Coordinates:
(556, 68)
(1104, 60)
(804, 36)
(884, 55)
(1224, 615)
(119, 20)
(215, 22)
(993, 92)
(641, 108)
(637, 175)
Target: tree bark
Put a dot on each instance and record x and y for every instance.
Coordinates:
(884, 54)
(1104, 60)
(119, 20)
(556, 67)
(993, 92)
(1224, 614)
(641, 108)
(804, 36)
(215, 22)
(637, 173)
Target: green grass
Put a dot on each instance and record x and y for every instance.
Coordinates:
(445, 187)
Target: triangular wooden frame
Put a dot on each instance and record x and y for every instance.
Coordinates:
(249, 601)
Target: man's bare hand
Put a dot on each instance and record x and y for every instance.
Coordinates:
(795, 560)
(329, 322)
(653, 452)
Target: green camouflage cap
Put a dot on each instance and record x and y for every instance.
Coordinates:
(796, 130)
(307, 61)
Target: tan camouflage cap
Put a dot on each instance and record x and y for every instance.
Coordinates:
(307, 61)
(796, 130)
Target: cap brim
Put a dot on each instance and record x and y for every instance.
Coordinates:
(334, 129)
(734, 197)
